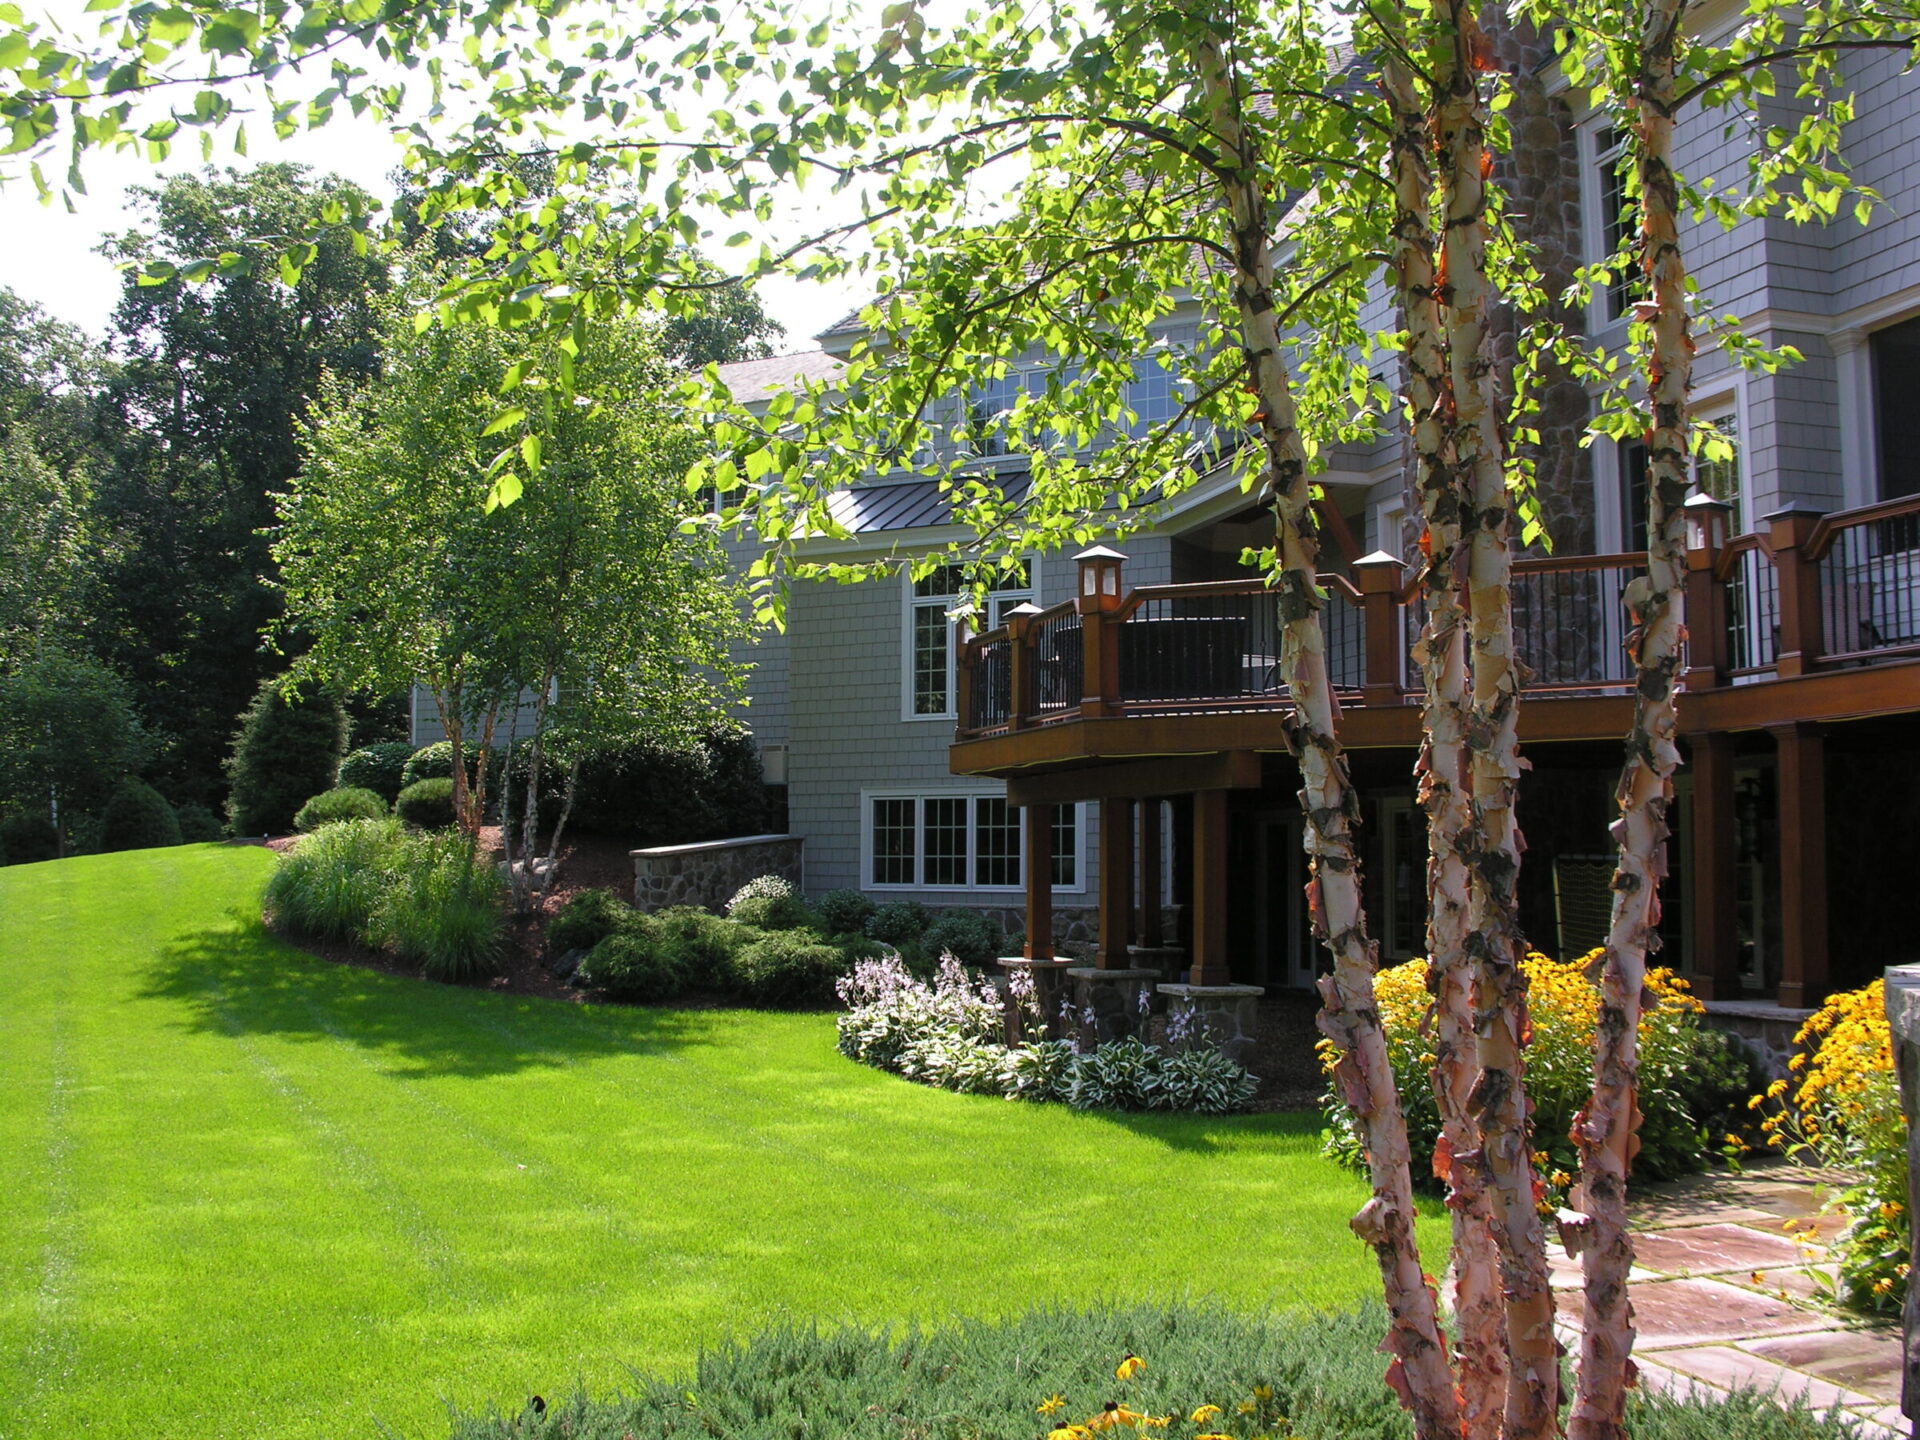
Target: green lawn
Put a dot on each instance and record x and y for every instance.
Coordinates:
(244, 1192)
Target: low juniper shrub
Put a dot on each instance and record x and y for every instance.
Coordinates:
(899, 922)
(586, 919)
(844, 911)
(427, 804)
(380, 768)
(769, 903)
(787, 968)
(137, 817)
(346, 802)
(636, 963)
(706, 945)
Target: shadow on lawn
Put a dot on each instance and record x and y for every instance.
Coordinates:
(1214, 1134)
(242, 980)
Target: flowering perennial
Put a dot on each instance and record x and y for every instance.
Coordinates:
(1842, 1111)
(949, 1034)
(1257, 1416)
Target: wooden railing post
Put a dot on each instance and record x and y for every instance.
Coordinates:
(967, 662)
(1023, 683)
(1707, 659)
(1096, 596)
(1800, 640)
(1378, 578)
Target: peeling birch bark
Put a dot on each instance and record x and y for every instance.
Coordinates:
(1605, 1130)
(1480, 1361)
(1494, 845)
(1349, 1017)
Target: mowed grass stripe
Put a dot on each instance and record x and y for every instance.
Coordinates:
(298, 1203)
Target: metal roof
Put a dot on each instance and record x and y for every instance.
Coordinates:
(905, 505)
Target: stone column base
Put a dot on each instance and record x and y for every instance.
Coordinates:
(1221, 1015)
(1050, 993)
(1108, 1003)
(1167, 960)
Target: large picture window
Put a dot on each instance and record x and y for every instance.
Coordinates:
(961, 842)
(929, 641)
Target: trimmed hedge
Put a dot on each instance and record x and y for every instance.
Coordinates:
(137, 817)
(655, 795)
(348, 802)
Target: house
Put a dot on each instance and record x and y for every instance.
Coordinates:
(1129, 701)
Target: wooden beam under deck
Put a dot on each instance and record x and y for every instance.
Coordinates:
(1072, 754)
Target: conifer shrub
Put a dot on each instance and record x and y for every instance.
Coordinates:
(199, 825)
(346, 802)
(286, 752)
(427, 804)
(378, 768)
(789, 968)
(844, 912)
(26, 837)
(586, 919)
(706, 945)
(900, 922)
(636, 963)
(967, 934)
(137, 817)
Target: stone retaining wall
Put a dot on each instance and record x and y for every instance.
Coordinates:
(709, 873)
(1763, 1027)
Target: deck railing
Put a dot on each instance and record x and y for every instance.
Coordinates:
(1807, 591)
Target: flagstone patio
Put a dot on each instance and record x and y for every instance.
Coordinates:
(1725, 1296)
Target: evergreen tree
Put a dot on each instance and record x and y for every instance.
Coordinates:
(287, 751)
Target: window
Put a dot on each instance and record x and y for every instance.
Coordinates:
(1619, 221)
(929, 681)
(1154, 396)
(1718, 478)
(989, 401)
(960, 842)
(1896, 401)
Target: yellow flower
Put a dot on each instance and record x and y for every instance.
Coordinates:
(1068, 1432)
(1891, 1210)
(1213, 1435)
(1052, 1405)
(1156, 1422)
(1246, 1407)
(1776, 1090)
(1204, 1414)
(1130, 1367)
(1262, 1392)
(1113, 1415)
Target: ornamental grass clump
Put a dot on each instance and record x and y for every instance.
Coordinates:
(1842, 1111)
(1692, 1080)
(327, 886)
(442, 907)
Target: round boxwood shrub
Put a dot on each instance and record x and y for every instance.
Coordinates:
(348, 802)
(972, 938)
(435, 762)
(586, 919)
(900, 922)
(635, 963)
(26, 837)
(198, 824)
(287, 751)
(789, 967)
(844, 912)
(378, 768)
(426, 804)
(138, 817)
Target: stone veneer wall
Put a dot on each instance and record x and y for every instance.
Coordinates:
(709, 873)
(1763, 1027)
(1903, 1016)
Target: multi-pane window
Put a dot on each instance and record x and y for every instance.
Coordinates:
(960, 842)
(1719, 478)
(1153, 395)
(929, 637)
(988, 402)
(1619, 218)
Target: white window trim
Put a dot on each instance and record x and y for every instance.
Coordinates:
(908, 604)
(1729, 404)
(1610, 527)
(919, 795)
(1593, 221)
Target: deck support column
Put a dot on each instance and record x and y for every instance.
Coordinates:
(1803, 865)
(1716, 949)
(1036, 868)
(1116, 877)
(1146, 924)
(1209, 888)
